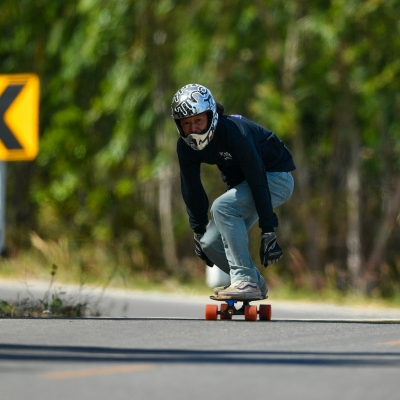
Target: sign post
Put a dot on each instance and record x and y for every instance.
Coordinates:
(19, 128)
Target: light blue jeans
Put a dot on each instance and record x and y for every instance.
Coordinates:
(226, 241)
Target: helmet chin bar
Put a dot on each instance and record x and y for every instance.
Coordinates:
(198, 141)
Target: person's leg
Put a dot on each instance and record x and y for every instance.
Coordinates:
(229, 213)
(280, 185)
(234, 213)
(213, 247)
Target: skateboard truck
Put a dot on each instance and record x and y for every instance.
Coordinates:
(232, 310)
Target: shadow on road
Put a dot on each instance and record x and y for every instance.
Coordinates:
(16, 352)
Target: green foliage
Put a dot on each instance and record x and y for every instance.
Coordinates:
(323, 75)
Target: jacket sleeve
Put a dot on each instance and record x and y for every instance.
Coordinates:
(253, 169)
(193, 193)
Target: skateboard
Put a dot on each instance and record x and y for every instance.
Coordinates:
(228, 309)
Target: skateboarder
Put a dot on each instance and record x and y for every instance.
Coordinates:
(256, 166)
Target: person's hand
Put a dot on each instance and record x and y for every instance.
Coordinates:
(270, 251)
(199, 251)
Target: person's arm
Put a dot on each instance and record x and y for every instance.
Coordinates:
(193, 193)
(253, 169)
(196, 201)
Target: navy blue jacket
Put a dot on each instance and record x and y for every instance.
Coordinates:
(242, 150)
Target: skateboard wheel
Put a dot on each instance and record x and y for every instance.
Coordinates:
(250, 313)
(211, 312)
(265, 312)
(224, 316)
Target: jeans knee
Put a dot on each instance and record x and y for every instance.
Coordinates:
(221, 209)
(212, 244)
(216, 205)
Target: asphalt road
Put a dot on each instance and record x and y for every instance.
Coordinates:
(160, 347)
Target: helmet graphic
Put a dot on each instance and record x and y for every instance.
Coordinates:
(191, 100)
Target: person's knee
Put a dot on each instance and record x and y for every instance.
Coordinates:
(287, 188)
(280, 187)
(216, 205)
(211, 244)
(222, 209)
(213, 247)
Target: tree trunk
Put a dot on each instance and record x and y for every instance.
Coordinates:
(290, 66)
(165, 178)
(384, 231)
(165, 212)
(353, 215)
(347, 164)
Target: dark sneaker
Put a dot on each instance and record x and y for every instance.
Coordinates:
(263, 290)
(241, 290)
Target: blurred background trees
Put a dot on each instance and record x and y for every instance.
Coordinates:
(324, 75)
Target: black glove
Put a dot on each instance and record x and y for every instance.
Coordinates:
(199, 251)
(270, 251)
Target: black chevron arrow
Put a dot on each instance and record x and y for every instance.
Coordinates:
(6, 99)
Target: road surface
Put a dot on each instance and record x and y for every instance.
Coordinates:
(160, 347)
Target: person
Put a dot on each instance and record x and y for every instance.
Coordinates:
(256, 167)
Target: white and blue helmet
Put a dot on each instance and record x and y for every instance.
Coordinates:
(194, 99)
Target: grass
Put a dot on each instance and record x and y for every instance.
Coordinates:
(54, 303)
(35, 265)
(40, 264)
(57, 303)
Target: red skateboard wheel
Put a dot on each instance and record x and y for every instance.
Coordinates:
(211, 312)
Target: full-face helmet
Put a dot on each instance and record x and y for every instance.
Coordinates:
(194, 99)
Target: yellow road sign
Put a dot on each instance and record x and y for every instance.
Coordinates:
(19, 117)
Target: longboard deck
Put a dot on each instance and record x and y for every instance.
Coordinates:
(226, 299)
